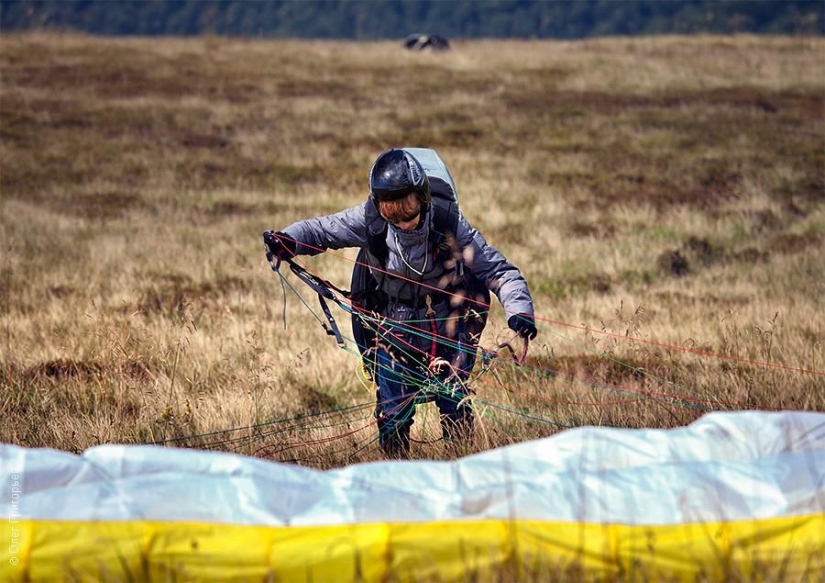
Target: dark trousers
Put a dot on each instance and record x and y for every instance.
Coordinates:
(399, 389)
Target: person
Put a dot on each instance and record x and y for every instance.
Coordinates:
(420, 339)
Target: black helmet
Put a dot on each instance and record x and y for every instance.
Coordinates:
(395, 174)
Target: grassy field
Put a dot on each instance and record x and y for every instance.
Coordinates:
(664, 197)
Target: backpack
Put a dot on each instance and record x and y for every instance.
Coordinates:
(365, 289)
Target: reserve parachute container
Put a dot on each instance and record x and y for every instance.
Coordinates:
(441, 181)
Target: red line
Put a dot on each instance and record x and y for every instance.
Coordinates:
(698, 351)
(608, 386)
(636, 339)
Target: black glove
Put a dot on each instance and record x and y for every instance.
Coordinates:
(280, 244)
(524, 325)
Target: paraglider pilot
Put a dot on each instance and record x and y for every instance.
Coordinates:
(431, 272)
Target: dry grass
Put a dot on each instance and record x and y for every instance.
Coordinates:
(664, 197)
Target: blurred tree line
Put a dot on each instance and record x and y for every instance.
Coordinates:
(379, 19)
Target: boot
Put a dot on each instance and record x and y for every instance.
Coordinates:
(395, 442)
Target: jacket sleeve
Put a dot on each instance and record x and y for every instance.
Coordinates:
(490, 266)
(343, 229)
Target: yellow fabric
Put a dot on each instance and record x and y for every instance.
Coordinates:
(787, 549)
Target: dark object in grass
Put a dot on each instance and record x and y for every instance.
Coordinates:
(420, 42)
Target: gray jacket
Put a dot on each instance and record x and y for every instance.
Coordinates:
(410, 258)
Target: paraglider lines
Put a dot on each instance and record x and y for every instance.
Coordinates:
(488, 357)
(625, 337)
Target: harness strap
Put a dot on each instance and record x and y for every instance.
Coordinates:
(322, 288)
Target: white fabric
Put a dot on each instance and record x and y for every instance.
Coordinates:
(725, 466)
